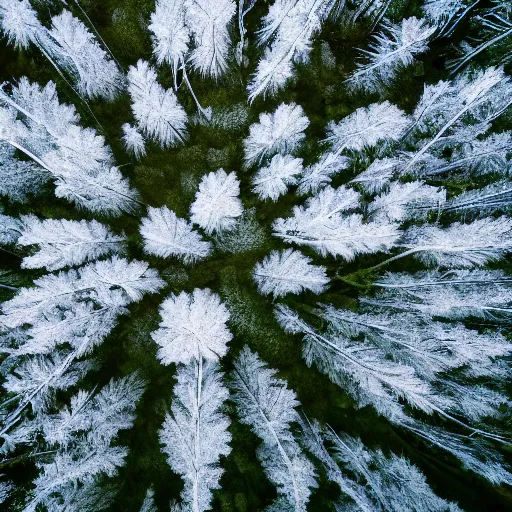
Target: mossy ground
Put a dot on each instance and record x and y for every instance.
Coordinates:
(170, 177)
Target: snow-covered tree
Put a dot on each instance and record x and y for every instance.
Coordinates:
(193, 326)
(445, 14)
(166, 235)
(460, 245)
(268, 406)
(455, 294)
(195, 433)
(290, 26)
(289, 271)
(156, 110)
(68, 45)
(393, 49)
(366, 127)
(88, 429)
(100, 280)
(495, 33)
(322, 226)
(19, 22)
(274, 179)
(175, 25)
(280, 132)
(469, 104)
(33, 121)
(318, 175)
(217, 205)
(389, 483)
(133, 141)
(76, 51)
(406, 201)
(66, 242)
(148, 505)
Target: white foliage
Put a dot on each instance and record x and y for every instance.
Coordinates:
(378, 175)
(100, 281)
(360, 368)
(19, 178)
(453, 295)
(289, 271)
(394, 49)
(102, 415)
(280, 132)
(290, 25)
(318, 175)
(195, 433)
(193, 326)
(461, 245)
(10, 230)
(406, 201)
(268, 406)
(148, 505)
(156, 110)
(19, 22)
(77, 52)
(493, 197)
(133, 141)
(217, 204)
(33, 121)
(170, 33)
(208, 22)
(66, 242)
(167, 235)
(175, 24)
(274, 179)
(390, 483)
(367, 126)
(322, 226)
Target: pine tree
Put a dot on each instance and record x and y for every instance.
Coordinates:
(217, 206)
(268, 406)
(394, 49)
(322, 226)
(133, 141)
(289, 271)
(195, 433)
(156, 110)
(65, 242)
(317, 176)
(273, 180)
(280, 132)
(193, 326)
(167, 235)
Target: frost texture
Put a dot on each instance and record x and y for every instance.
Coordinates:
(156, 110)
(273, 180)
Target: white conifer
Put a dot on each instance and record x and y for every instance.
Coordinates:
(217, 205)
(167, 235)
(280, 132)
(289, 271)
(66, 242)
(195, 433)
(193, 326)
